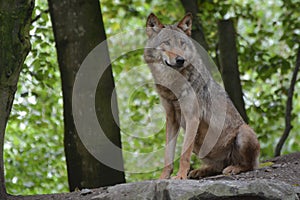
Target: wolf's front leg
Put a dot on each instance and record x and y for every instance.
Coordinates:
(187, 148)
(172, 128)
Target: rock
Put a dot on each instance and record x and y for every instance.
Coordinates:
(276, 166)
(285, 164)
(203, 189)
(85, 191)
(268, 170)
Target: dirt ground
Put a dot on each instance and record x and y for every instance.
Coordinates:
(285, 168)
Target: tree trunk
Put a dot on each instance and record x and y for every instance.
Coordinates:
(15, 18)
(197, 32)
(229, 69)
(78, 28)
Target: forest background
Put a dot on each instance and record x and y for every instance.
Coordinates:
(267, 36)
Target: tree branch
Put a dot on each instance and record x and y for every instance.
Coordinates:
(289, 107)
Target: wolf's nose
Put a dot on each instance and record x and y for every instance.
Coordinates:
(179, 60)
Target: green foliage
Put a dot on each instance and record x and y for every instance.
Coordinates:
(267, 39)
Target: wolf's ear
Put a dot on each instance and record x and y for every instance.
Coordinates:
(153, 25)
(186, 24)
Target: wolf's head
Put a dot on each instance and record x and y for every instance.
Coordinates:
(169, 45)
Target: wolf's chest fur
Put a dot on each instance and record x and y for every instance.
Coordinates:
(189, 80)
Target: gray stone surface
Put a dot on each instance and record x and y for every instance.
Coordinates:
(278, 178)
(194, 189)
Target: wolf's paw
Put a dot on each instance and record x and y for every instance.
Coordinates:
(203, 172)
(166, 172)
(196, 174)
(164, 176)
(232, 170)
(179, 177)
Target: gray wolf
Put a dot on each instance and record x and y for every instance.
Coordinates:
(214, 130)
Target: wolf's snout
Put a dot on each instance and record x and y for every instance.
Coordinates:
(173, 60)
(179, 61)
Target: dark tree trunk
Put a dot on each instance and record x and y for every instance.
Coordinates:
(15, 18)
(229, 69)
(78, 28)
(197, 31)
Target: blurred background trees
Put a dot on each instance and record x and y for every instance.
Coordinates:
(267, 37)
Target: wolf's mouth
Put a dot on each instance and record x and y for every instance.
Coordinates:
(166, 62)
(173, 66)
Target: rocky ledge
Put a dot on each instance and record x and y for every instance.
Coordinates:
(195, 189)
(278, 178)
